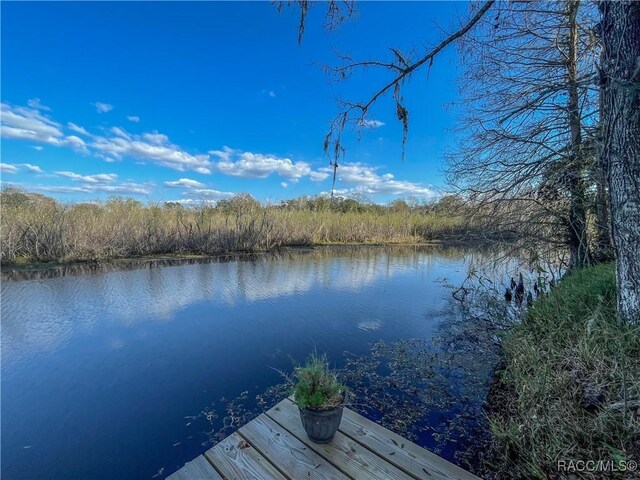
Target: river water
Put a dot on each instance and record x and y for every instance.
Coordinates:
(130, 372)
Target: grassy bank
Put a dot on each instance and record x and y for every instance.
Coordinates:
(570, 383)
(37, 229)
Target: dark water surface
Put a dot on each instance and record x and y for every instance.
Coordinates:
(103, 373)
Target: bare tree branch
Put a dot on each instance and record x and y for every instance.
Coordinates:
(403, 68)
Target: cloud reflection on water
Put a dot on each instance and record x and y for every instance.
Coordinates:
(40, 315)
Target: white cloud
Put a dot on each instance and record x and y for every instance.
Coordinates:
(35, 103)
(356, 173)
(318, 176)
(23, 123)
(194, 193)
(97, 183)
(133, 118)
(32, 168)
(272, 94)
(102, 107)
(257, 165)
(205, 194)
(38, 148)
(120, 133)
(77, 143)
(224, 155)
(94, 179)
(153, 147)
(368, 182)
(370, 123)
(155, 138)
(29, 124)
(211, 194)
(8, 168)
(77, 129)
(114, 145)
(184, 183)
(284, 184)
(123, 188)
(126, 188)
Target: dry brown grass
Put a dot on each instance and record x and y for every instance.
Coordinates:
(39, 230)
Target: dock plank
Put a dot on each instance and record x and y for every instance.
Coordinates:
(399, 451)
(286, 452)
(197, 469)
(237, 459)
(275, 446)
(346, 454)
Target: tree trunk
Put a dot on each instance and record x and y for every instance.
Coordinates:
(604, 248)
(578, 242)
(621, 76)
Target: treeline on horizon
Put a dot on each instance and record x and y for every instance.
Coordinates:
(38, 229)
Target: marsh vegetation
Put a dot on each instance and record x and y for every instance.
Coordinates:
(38, 229)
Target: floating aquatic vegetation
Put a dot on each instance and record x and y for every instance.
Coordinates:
(406, 386)
(225, 416)
(429, 391)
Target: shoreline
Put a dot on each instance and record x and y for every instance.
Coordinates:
(447, 242)
(22, 271)
(188, 256)
(586, 363)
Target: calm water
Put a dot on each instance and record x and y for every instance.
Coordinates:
(102, 371)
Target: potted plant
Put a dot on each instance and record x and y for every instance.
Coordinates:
(320, 398)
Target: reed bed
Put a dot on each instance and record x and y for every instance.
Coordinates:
(38, 229)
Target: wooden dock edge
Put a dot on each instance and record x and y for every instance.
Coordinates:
(275, 446)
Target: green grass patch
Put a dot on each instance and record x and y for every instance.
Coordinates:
(571, 378)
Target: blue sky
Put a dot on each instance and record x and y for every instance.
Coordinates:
(188, 101)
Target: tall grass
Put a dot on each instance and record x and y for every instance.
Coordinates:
(571, 385)
(37, 229)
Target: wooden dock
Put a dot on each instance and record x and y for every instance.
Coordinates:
(275, 446)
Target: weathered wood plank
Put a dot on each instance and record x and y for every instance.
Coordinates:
(197, 469)
(343, 452)
(286, 452)
(399, 451)
(275, 446)
(236, 459)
